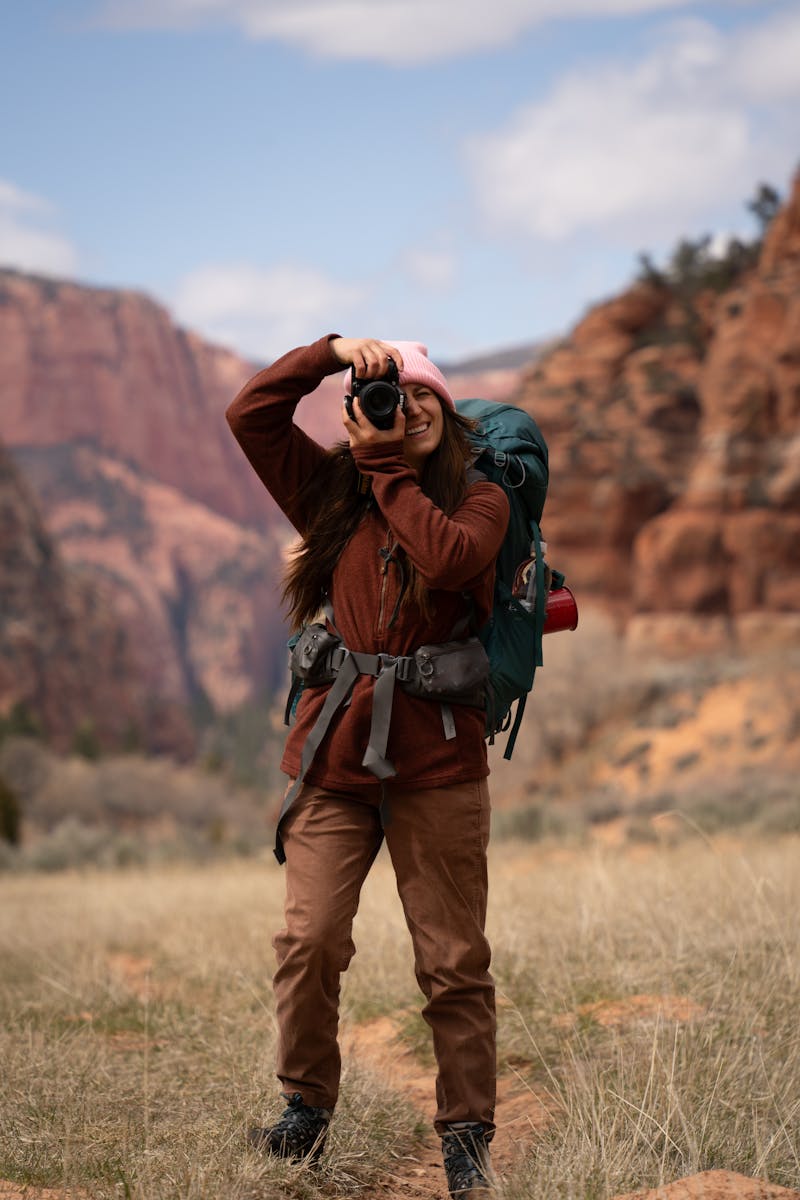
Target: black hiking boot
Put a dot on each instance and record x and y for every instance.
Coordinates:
(467, 1165)
(298, 1134)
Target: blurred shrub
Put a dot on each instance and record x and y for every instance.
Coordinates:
(85, 742)
(20, 721)
(122, 810)
(535, 822)
(9, 814)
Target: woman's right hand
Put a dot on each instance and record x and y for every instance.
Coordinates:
(368, 357)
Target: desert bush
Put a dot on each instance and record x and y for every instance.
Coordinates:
(20, 721)
(70, 844)
(124, 809)
(9, 814)
(85, 741)
(25, 764)
(534, 822)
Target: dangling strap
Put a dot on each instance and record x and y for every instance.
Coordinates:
(539, 602)
(340, 690)
(541, 598)
(512, 737)
(375, 759)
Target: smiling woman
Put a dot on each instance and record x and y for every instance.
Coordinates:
(398, 547)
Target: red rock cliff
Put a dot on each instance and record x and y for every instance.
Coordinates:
(66, 658)
(674, 426)
(111, 369)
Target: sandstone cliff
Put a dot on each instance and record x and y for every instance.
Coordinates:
(117, 418)
(195, 589)
(64, 645)
(109, 368)
(674, 426)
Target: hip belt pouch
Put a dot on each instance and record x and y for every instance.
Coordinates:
(451, 672)
(309, 659)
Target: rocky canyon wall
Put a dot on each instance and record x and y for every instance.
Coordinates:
(674, 426)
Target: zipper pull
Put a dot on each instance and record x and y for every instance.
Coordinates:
(387, 554)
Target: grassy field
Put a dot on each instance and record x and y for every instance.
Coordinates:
(137, 1026)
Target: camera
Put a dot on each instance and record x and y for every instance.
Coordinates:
(378, 397)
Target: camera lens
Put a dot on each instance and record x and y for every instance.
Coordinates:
(378, 401)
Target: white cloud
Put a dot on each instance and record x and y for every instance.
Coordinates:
(765, 62)
(639, 152)
(262, 311)
(431, 270)
(400, 32)
(26, 242)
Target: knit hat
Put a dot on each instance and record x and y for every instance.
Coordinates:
(417, 368)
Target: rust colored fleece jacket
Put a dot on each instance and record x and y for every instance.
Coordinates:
(454, 554)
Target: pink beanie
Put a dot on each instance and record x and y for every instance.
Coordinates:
(417, 368)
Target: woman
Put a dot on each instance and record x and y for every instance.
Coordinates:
(402, 548)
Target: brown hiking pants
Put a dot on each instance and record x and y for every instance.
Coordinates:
(437, 839)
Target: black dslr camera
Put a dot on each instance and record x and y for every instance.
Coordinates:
(378, 397)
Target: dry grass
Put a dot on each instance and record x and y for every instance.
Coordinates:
(645, 1093)
(138, 1032)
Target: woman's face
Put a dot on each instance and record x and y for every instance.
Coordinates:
(424, 423)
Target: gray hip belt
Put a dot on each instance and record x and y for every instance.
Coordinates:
(455, 672)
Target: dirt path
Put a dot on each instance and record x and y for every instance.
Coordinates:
(420, 1175)
(716, 1185)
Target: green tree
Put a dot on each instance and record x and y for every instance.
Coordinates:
(764, 206)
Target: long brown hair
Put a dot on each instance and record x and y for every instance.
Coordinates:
(333, 496)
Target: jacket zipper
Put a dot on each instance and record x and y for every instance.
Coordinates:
(390, 547)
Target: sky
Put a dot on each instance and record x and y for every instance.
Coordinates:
(472, 174)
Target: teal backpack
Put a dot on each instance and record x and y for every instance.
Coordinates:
(511, 452)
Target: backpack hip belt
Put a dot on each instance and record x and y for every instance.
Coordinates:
(454, 671)
(449, 673)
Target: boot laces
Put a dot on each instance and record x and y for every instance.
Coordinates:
(466, 1160)
(299, 1125)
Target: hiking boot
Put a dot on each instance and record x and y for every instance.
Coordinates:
(299, 1133)
(467, 1165)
